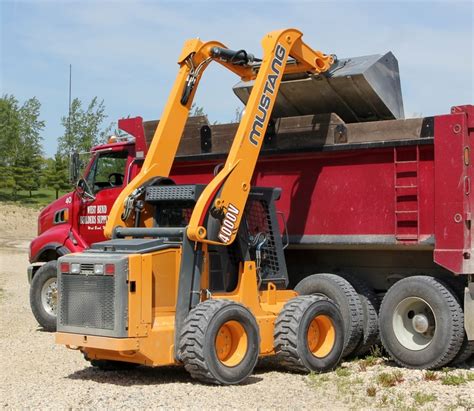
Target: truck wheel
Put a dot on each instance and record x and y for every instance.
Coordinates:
(309, 334)
(343, 294)
(467, 347)
(421, 323)
(44, 295)
(370, 308)
(219, 343)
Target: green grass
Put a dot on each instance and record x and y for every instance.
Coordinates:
(430, 376)
(386, 379)
(318, 379)
(39, 198)
(343, 372)
(422, 398)
(371, 391)
(453, 379)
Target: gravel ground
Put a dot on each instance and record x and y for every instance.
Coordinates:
(38, 374)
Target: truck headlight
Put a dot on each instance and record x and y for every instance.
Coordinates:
(98, 268)
(75, 268)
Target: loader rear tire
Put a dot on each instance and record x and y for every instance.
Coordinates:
(43, 295)
(421, 323)
(309, 334)
(345, 296)
(220, 342)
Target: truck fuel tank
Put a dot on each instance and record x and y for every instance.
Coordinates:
(358, 89)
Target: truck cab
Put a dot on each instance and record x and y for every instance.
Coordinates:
(76, 220)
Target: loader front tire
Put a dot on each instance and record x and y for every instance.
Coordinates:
(219, 342)
(309, 334)
(44, 295)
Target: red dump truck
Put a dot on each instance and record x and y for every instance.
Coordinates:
(376, 209)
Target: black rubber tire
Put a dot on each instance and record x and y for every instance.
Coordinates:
(449, 334)
(467, 347)
(343, 294)
(46, 320)
(291, 330)
(370, 307)
(197, 342)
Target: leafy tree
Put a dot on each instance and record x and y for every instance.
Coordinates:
(20, 144)
(83, 129)
(30, 157)
(9, 130)
(197, 110)
(55, 175)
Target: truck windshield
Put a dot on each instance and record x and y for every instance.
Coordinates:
(107, 171)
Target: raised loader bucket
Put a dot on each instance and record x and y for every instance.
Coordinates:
(358, 89)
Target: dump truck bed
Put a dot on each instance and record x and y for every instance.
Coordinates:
(384, 184)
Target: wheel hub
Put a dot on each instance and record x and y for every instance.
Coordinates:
(420, 323)
(231, 343)
(321, 336)
(414, 323)
(49, 296)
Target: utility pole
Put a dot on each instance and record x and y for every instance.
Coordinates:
(69, 114)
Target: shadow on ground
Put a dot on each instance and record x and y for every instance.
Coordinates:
(142, 376)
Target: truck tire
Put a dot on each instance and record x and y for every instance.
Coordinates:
(44, 295)
(343, 294)
(467, 347)
(421, 323)
(309, 334)
(220, 342)
(370, 307)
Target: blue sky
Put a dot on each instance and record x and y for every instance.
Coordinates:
(125, 52)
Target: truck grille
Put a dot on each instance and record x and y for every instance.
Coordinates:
(87, 301)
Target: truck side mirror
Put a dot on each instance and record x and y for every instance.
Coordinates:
(74, 167)
(84, 191)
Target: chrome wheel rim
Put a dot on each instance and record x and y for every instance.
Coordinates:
(49, 296)
(414, 323)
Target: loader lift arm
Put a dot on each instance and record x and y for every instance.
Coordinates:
(225, 196)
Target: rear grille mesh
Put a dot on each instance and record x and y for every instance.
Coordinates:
(87, 301)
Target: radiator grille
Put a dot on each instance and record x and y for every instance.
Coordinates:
(87, 301)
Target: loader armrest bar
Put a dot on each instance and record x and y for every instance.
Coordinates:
(140, 232)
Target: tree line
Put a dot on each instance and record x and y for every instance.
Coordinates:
(23, 164)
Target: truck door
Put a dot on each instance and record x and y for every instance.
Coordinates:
(106, 177)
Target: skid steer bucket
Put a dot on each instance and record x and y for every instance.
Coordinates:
(365, 88)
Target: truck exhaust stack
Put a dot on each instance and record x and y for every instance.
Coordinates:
(358, 89)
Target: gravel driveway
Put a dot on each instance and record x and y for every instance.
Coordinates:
(36, 373)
